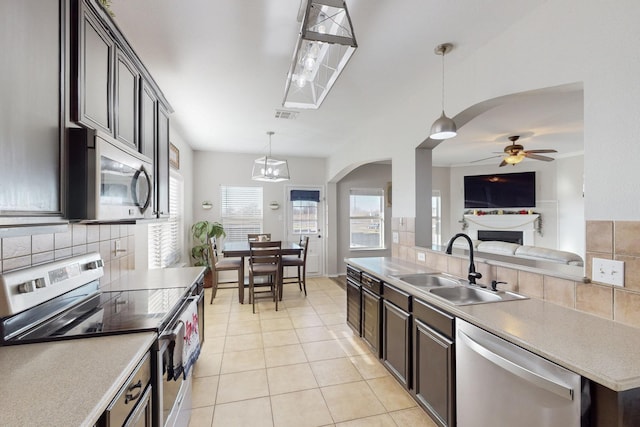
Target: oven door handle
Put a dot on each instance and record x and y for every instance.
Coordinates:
(173, 333)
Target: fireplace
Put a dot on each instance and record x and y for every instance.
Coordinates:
(502, 236)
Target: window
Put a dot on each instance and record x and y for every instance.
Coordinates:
(165, 238)
(304, 204)
(241, 211)
(436, 217)
(366, 218)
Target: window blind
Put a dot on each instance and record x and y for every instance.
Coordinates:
(241, 211)
(165, 239)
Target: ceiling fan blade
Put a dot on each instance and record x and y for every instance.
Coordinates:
(541, 151)
(503, 163)
(537, 157)
(486, 158)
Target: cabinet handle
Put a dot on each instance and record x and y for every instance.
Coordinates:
(131, 397)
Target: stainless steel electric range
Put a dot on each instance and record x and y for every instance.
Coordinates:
(63, 300)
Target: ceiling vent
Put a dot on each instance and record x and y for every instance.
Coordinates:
(286, 114)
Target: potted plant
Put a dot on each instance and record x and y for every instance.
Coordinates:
(202, 231)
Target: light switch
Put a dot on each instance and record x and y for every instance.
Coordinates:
(607, 271)
(422, 257)
(396, 237)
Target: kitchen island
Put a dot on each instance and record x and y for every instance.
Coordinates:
(66, 383)
(603, 351)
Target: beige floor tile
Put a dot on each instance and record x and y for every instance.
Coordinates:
(306, 310)
(320, 299)
(208, 364)
(383, 420)
(351, 401)
(241, 315)
(321, 350)
(329, 308)
(272, 314)
(293, 303)
(391, 394)
(354, 346)
(333, 318)
(335, 371)
(285, 379)
(243, 342)
(284, 355)
(242, 386)
(214, 330)
(213, 345)
(306, 321)
(279, 338)
(201, 417)
(317, 333)
(300, 409)
(369, 366)
(204, 391)
(414, 417)
(245, 413)
(241, 327)
(238, 361)
(277, 324)
(341, 330)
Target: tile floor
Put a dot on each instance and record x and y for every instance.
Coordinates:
(300, 366)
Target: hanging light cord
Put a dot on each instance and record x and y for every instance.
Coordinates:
(443, 53)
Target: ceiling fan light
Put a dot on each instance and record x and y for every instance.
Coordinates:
(514, 159)
(443, 128)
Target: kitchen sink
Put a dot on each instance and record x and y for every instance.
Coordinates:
(466, 295)
(429, 280)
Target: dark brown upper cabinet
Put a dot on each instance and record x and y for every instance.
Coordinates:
(127, 81)
(162, 163)
(148, 120)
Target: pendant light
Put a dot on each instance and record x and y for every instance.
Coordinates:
(444, 127)
(269, 169)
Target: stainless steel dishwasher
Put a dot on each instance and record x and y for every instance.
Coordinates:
(501, 384)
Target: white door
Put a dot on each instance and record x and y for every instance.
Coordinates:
(305, 217)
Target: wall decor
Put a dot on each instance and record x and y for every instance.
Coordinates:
(174, 156)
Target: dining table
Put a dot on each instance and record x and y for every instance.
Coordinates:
(241, 250)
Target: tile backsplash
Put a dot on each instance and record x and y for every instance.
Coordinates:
(26, 251)
(616, 240)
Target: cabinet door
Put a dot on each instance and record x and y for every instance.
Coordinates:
(371, 320)
(162, 163)
(31, 105)
(353, 306)
(94, 92)
(396, 333)
(148, 120)
(126, 101)
(434, 377)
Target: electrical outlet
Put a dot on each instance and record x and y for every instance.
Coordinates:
(422, 257)
(396, 237)
(607, 271)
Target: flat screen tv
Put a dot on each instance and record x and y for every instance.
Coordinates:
(505, 190)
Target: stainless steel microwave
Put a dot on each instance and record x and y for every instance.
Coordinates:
(107, 181)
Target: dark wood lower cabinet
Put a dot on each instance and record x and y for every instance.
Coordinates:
(371, 308)
(434, 363)
(354, 305)
(396, 341)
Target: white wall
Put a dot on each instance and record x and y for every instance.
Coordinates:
(366, 176)
(441, 181)
(571, 220)
(563, 41)
(213, 169)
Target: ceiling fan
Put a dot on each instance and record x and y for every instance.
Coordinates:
(515, 153)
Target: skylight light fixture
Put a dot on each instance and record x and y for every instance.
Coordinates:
(325, 44)
(269, 169)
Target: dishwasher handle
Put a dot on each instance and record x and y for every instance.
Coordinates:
(522, 372)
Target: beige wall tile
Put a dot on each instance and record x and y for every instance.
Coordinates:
(625, 307)
(62, 240)
(599, 236)
(508, 275)
(17, 262)
(78, 234)
(631, 271)
(626, 241)
(595, 299)
(411, 224)
(93, 233)
(395, 224)
(455, 267)
(559, 291)
(42, 243)
(13, 247)
(531, 284)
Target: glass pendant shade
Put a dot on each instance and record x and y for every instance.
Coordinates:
(270, 169)
(325, 44)
(443, 128)
(514, 159)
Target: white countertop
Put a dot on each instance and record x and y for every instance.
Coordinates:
(599, 349)
(66, 383)
(156, 279)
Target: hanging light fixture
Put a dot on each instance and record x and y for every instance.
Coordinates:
(325, 44)
(269, 169)
(444, 127)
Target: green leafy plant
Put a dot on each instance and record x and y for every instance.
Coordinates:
(202, 231)
(106, 4)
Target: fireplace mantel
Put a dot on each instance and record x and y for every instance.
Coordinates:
(509, 222)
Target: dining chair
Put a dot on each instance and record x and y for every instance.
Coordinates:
(224, 264)
(257, 237)
(264, 261)
(300, 262)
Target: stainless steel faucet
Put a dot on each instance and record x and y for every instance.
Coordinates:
(473, 275)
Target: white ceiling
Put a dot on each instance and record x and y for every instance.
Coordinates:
(222, 65)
